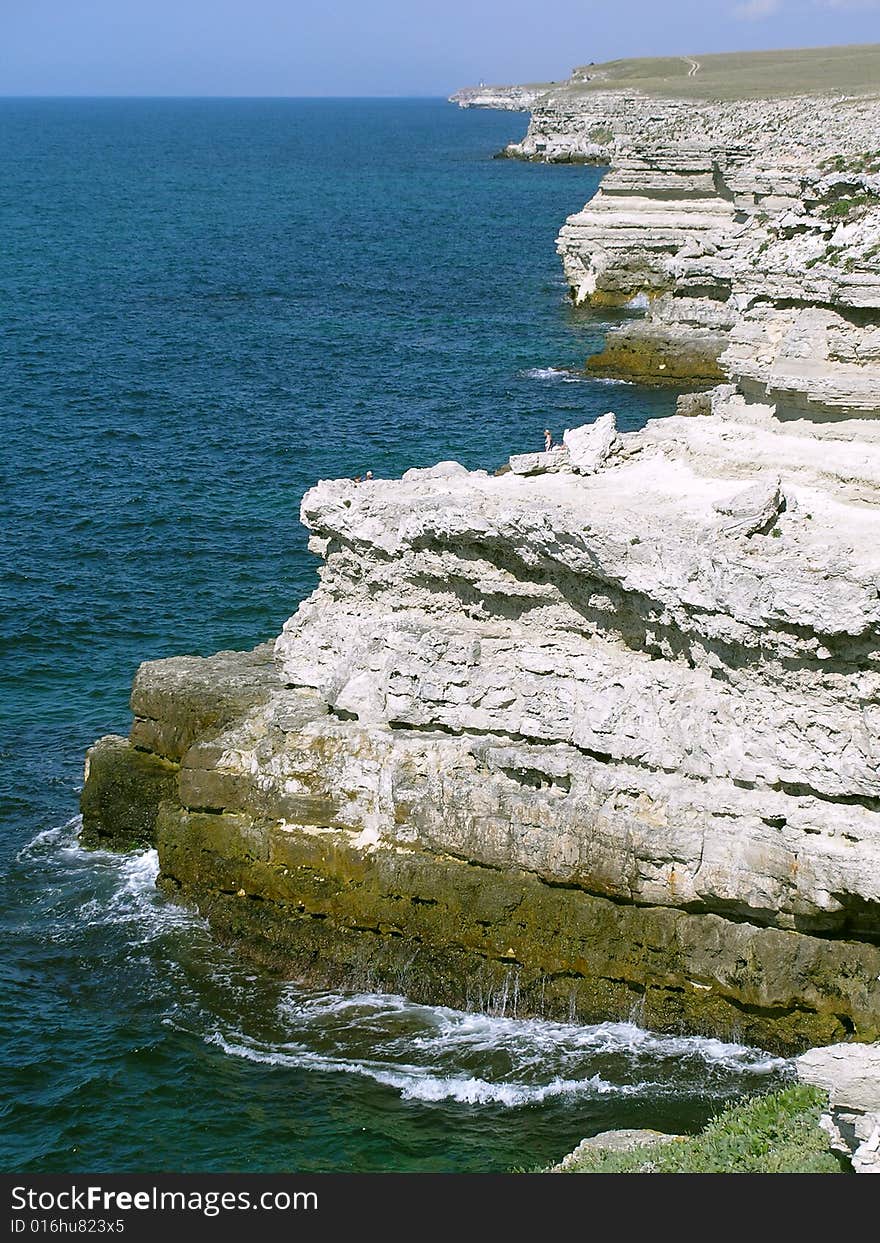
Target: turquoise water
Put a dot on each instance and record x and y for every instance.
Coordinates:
(208, 305)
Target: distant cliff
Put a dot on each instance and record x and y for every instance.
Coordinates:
(505, 98)
(747, 229)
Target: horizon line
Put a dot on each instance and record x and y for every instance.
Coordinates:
(107, 95)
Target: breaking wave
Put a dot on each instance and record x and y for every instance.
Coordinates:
(558, 375)
(434, 1053)
(562, 375)
(426, 1054)
(415, 1083)
(100, 888)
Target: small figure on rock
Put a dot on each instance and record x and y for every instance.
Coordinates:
(548, 440)
(356, 479)
(368, 475)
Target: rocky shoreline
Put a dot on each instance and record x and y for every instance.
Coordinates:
(599, 732)
(748, 230)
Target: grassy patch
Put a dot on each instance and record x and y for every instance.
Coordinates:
(852, 70)
(774, 1134)
(844, 208)
(867, 162)
(601, 135)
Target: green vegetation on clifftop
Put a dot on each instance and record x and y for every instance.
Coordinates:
(851, 70)
(848, 70)
(774, 1134)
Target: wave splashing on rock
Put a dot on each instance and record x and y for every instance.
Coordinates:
(434, 1053)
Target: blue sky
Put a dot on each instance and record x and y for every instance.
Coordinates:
(378, 47)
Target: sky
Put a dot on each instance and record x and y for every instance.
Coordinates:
(379, 47)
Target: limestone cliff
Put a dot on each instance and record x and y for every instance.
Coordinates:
(606, 730)
(600, 732)
(505, 98)
(749, 230)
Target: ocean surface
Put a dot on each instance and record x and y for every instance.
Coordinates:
(207, 306)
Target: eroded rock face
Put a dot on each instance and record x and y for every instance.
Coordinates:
(504, 98)
(598, 732)
(748, 233)
(606, 730)
(850, 1074)
(604, 645)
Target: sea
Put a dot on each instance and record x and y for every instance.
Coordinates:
(208, 305)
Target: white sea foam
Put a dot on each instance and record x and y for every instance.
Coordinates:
(418, 1083)
(431, 1054)
(447, 1029)
(121, 887)
(61, 837)
(558, 375)
(434, 1053)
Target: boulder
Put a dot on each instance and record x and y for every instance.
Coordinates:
(443, 470)
(752, 509)
(850, 1074)
(540, 463)
(624, 1140)
(590, 446)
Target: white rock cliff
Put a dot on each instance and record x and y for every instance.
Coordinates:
(601, 731)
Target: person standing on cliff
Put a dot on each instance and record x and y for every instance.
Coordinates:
(548, 440)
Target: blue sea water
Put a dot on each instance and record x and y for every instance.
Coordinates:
(208, 305)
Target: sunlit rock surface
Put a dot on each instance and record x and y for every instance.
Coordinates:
(850, 1074)
(609, 735)
(597, 736)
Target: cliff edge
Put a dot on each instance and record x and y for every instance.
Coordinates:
(597, 736)
(601, 730)
(740, 213)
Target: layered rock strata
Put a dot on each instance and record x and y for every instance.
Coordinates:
(595, 737)
(747, 232)
(602, 735)
(503, 98)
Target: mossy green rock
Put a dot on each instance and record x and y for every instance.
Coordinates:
(122, 792)
(315, 905)
(177, 701)
(645, 352)
(286, 868)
